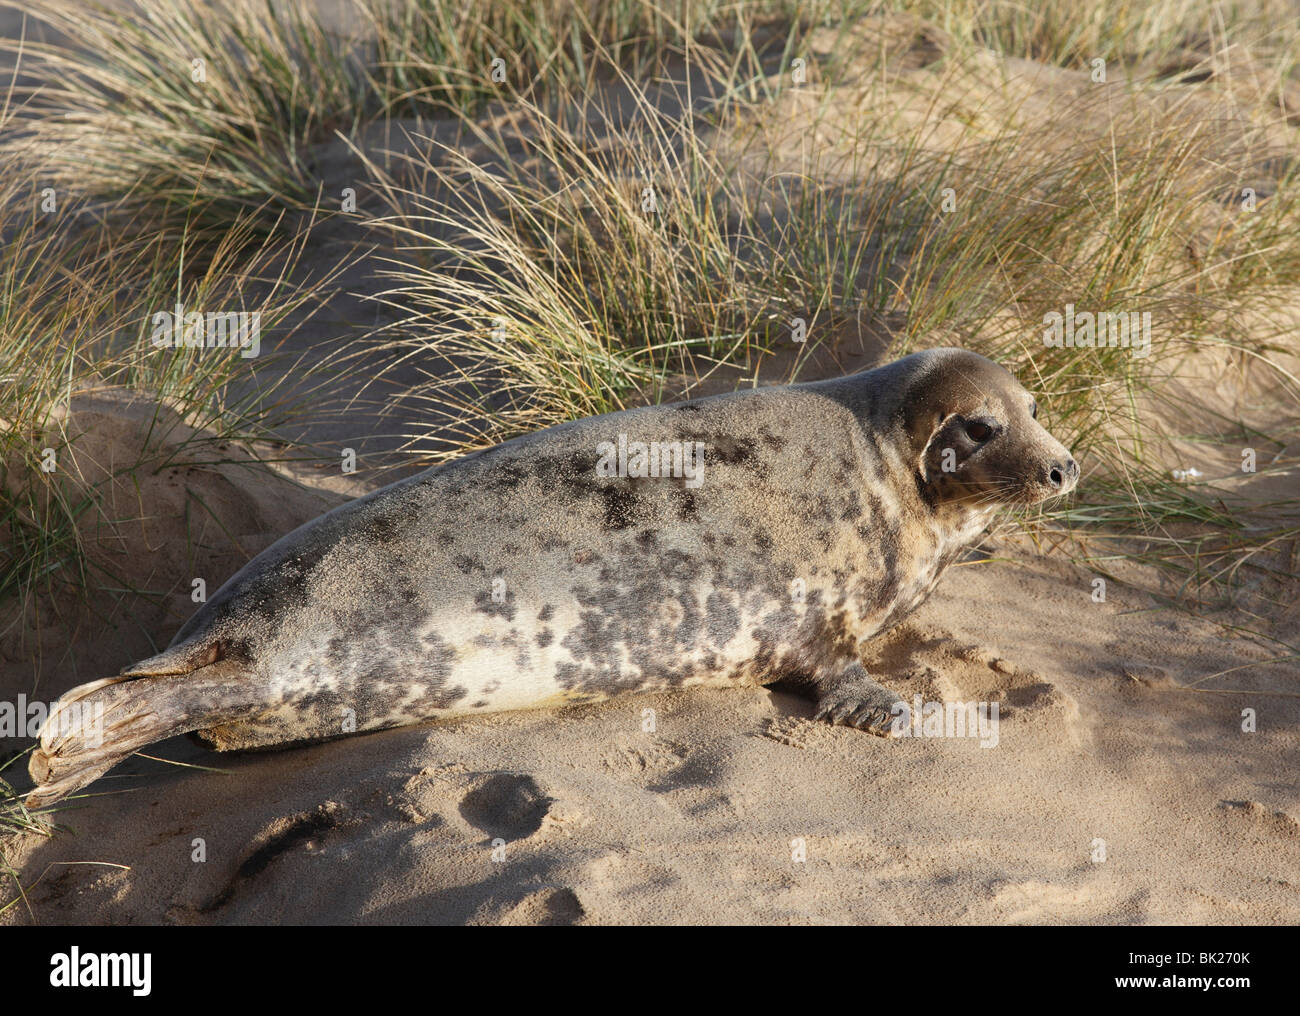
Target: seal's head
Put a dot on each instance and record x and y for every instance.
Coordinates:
(976, 434)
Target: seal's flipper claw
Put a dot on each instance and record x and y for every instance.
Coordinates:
(852, 699)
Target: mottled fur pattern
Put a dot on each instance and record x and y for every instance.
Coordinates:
(519, 576)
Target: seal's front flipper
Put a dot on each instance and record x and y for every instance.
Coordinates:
(851, 698)
(95, 726)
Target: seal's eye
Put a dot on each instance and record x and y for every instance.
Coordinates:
(978, 431)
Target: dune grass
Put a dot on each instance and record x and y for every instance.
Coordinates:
(15, 817)
(210, 110)
(583, 270)
(189, 112)
(461, 55)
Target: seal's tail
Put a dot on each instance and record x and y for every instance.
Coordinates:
(95, 726)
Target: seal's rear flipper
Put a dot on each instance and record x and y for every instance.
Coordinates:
(97, 725)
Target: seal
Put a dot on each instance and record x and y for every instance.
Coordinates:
(743, 539)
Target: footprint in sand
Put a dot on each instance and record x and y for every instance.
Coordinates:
(1257, 818)
(1082, 901)
(802, 733)
(508, 805)
(640, 755)
(553, 906)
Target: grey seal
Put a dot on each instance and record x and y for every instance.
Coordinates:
(748, 538)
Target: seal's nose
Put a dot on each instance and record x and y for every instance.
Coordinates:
(1063, 474)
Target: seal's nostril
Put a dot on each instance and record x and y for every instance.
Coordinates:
(1072, 469)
